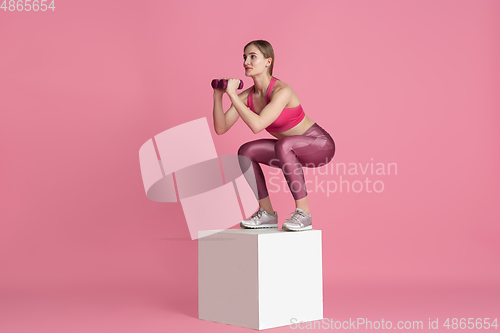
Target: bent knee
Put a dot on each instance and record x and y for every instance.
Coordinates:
(244, 150)
(284, 145)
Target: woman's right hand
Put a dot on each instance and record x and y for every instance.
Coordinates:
(220, 91)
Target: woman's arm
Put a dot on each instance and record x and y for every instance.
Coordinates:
(223, 123)
(219, 116)
(249, 117)
(257, 122)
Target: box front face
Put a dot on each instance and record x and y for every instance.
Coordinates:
(228, 280)
(290, 278)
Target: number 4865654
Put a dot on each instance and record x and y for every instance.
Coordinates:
(27, 5)
(479, 323)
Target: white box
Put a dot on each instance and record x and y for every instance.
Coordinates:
(260, 278)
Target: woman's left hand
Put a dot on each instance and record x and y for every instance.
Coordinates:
(232, 84)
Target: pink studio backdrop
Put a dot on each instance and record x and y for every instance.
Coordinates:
(83, 87)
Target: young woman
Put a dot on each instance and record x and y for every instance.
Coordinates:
(271, 104)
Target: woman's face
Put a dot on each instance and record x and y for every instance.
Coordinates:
(254, 61)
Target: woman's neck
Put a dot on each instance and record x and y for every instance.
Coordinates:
(261, 84)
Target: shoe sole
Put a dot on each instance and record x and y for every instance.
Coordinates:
(309, 227)
(263, 226)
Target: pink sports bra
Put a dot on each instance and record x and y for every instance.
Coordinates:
(287, 119)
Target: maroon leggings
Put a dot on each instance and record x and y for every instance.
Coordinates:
(312, 149)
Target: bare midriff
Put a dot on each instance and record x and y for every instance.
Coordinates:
(298, 129)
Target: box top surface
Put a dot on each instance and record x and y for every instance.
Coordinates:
(253, 231)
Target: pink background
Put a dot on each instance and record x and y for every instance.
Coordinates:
(82, 248)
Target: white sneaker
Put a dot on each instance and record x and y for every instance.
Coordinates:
(298, 222)
(261, 219)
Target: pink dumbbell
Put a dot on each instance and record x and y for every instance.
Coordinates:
(222, 84)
